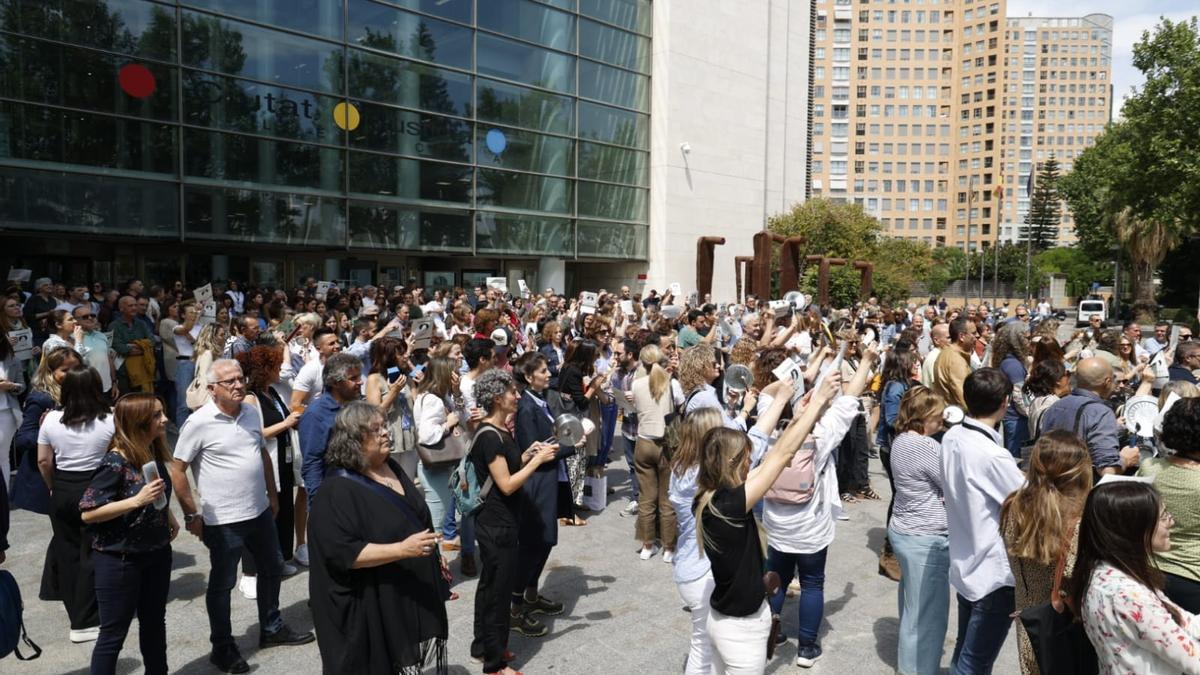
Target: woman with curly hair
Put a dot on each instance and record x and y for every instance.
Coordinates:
(698, 368)
(1010, 351)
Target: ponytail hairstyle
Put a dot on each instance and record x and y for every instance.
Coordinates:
(133, 416)
(1040, 513)
(695, 425)
(723, 454)
(660, 379)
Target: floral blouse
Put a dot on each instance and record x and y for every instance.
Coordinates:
(141, 530)
(1133, 632)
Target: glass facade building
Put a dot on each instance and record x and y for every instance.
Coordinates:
(439, 127)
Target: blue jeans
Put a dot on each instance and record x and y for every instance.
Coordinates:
(608, 430)
(225, 544)
(982, 628)
(923, 599)
(628, 445)
(440, 499)
(1016, 433)
(810, 568)
(185, 372)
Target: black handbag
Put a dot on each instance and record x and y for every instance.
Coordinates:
(1059, 642)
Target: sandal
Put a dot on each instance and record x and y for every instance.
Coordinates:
(848, 498)
(868, 493)
(572, 522)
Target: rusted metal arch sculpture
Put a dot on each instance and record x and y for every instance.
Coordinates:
(824, 263)
(789, 263)
(705, 251)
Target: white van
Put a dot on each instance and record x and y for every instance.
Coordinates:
(1090, 308)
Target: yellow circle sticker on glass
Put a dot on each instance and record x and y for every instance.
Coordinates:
(345, 115)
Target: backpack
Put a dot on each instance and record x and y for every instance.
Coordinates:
(12, 623)
(673, 431)
(468, 493)
(797, 482)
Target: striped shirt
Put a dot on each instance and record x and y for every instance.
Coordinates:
(917, 473)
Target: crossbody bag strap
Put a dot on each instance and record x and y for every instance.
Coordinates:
(1056, 597)
(1079, 416)
(489, 482)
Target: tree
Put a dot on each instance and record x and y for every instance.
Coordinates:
(1045, 209)
(1146, 242)
(1080, 269)
(835, 229)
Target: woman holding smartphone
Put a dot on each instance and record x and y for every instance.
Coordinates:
(388, 389)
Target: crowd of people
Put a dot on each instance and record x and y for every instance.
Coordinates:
(372, 435)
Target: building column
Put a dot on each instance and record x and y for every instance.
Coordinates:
(551, 273)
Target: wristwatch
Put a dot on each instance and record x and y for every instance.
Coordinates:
(189, 517)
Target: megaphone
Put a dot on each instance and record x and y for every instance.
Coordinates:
(1141, 412)
(568, 430)
(738, 377)
(671, 312)
(796, 299)
(953, 415)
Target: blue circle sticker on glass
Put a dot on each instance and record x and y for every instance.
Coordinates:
(496, 141)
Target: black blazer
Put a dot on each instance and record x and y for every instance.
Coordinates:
(532, 426)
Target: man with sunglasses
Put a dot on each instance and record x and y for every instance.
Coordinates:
(95, 348)
(1187, 361)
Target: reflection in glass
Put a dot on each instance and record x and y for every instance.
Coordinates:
(613, 164)
(249, 107)
(612, 201)
(407, 132)
(524, 151)
(319, 17)
(48, 135)
(524, 63)
(134, 27)
(232, 157)
(612, 240)
(455, 10)
(409, 84)
(528, 108)
(613, 85)
(614, 46)
(268, 217)
(235, 48)
(522, 191)
(610, 125)
(92, 204)
(394, 226)
(401, 178)
(393, 30)
(635, 15)
(34, 70)
(510, 233)
(528, 20)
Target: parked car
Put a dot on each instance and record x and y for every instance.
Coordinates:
(1089, 308)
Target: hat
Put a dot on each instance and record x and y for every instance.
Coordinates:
(500, 337)
(42, 281)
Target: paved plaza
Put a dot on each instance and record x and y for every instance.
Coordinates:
(622, 615)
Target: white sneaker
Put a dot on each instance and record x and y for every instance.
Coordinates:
(249, 587)
(85, 634)
(647, 552)
(630, 509)
(289, 570)
(301, 556)
(668, 557)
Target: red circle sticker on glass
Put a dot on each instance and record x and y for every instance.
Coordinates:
(136, 80)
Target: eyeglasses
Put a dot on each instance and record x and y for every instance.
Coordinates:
(232, 382)
(1022, 316)
(1185, 338)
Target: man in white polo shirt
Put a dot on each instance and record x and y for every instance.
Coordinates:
(978, 475)
(223, 443)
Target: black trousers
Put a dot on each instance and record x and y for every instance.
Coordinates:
(853, 457)
(1183, 592)
(129, 585)
(70, 552)
(499, 557)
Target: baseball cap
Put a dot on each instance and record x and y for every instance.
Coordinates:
(500, 337)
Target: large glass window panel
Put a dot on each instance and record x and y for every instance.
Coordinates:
(135, 27)
(523, 235)
(413, 228)
(410, 84)
(530, 108)
(319, 17)
(612, 240)
(525, 63)
(383, 27)
(36, 134)
(613, 164)
(396, 177)
(522, 191)
(611, 45)
(408, 132)
(612, 201)
(455, 10)
(613, 85)
(253, 216)
(236, 48)
(231, 157)
(250, 107)
(524, 151)
(33, 70)
(49, 201)
(530, 21)
(632, 14)
(610, 125)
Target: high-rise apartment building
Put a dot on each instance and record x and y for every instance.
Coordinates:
(914, 103)
(1057, 99)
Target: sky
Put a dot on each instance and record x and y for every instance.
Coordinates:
(1130, 18)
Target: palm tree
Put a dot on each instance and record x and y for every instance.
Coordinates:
(1147, 242)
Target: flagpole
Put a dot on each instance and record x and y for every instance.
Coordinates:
(1029, 234)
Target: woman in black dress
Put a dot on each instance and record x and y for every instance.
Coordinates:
(379, 608)
(496, 456)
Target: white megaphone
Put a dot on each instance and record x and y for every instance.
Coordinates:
(738, 377)
(796, 299)
(671, 312)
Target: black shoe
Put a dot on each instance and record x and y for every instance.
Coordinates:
(542, 605)
(285, 637)
(466, 563)
(520, 621)
(229, 660)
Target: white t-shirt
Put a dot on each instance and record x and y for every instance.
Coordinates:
(226, 457)
(310, 381)
(79, 447)
(184, 346)
(466, 385)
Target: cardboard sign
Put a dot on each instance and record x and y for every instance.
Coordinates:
(422, 332)
(627, 307)
(323, 290)
(789, 369)
(778, 305)
(21, 275)
(833, 366)
(204, 294)
(524, 288)
(531, 330)
(498, 283)
(676, 289)
(588, 302)
(22, 343)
